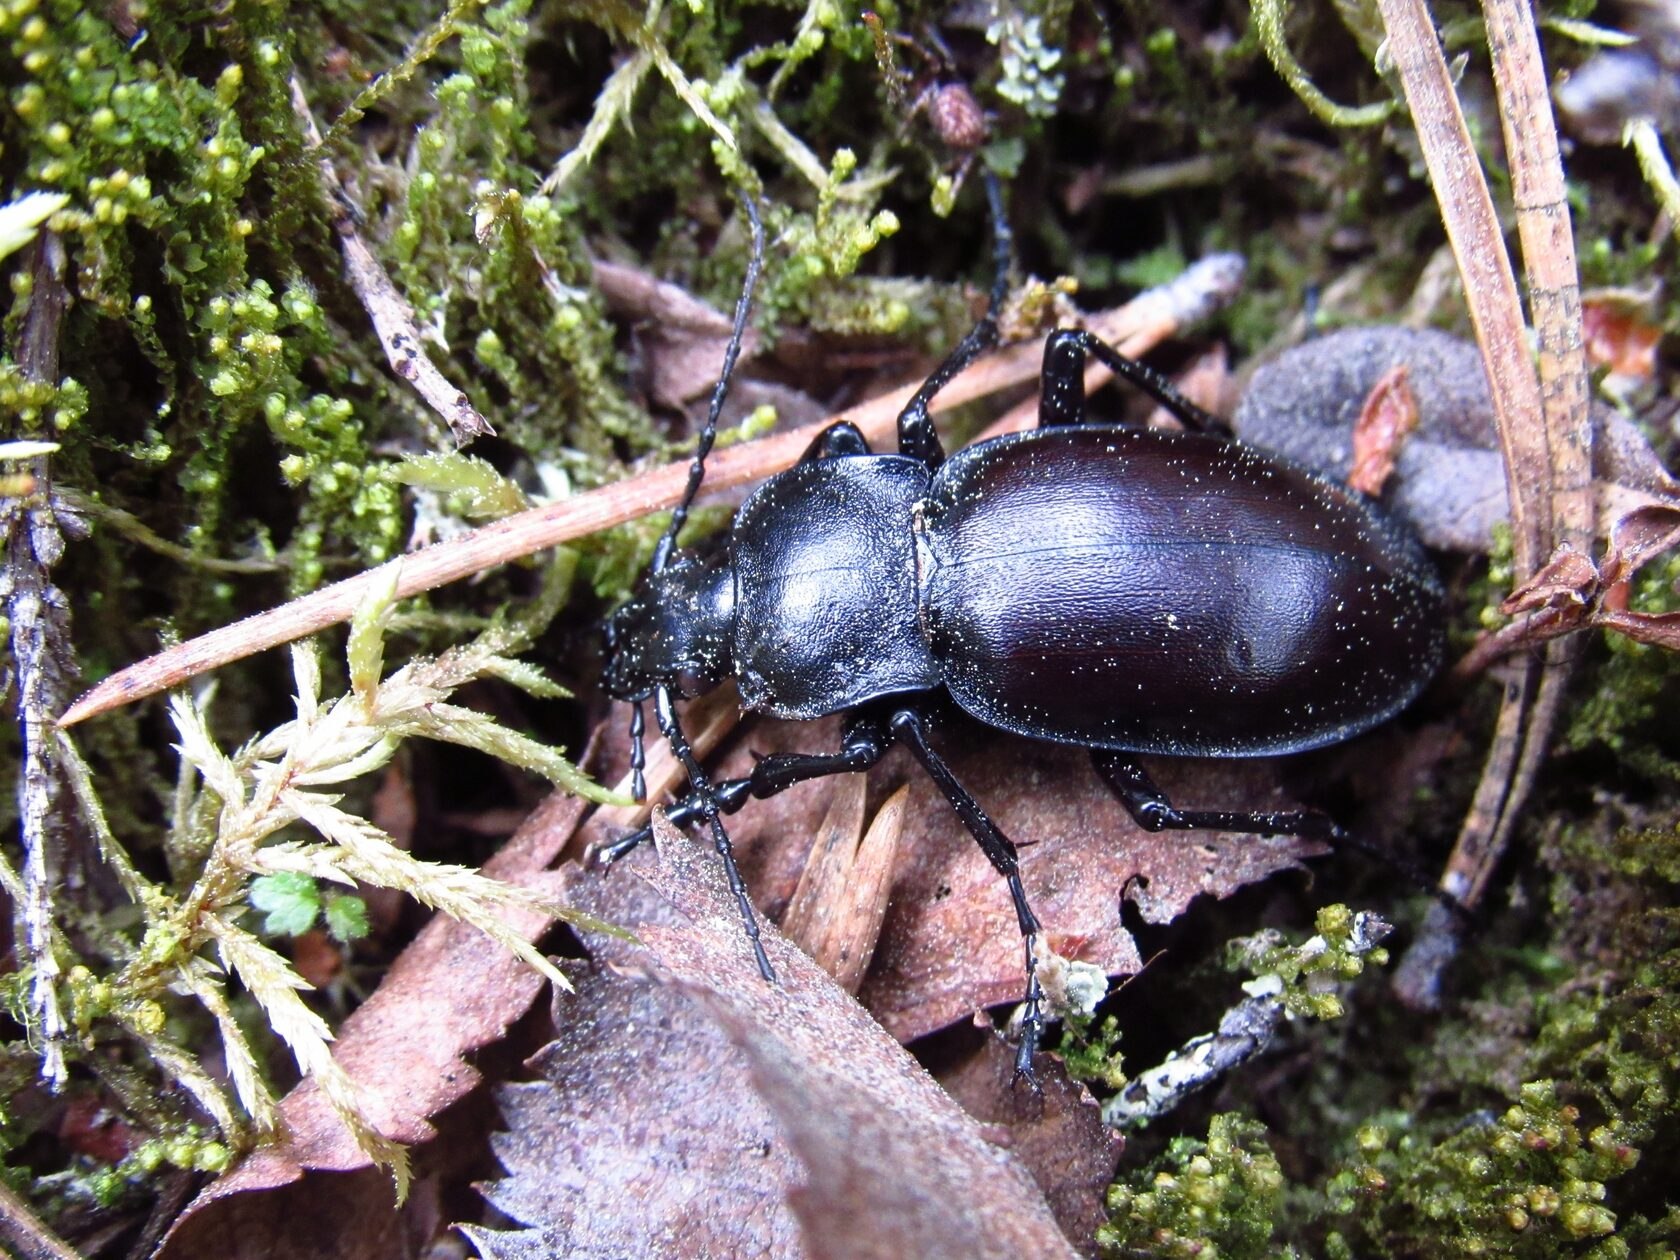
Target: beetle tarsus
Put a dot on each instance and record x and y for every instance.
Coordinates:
(605, 855)
(704, 796)
(728, 796)
(1032, 1015)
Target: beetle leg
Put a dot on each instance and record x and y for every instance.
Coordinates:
(864, 743)
(916, 437)
(1149, 806)
(1152, 811)
(1062, 382)
(701, 788)
(839, 439)
(727, 796)
(907, 726)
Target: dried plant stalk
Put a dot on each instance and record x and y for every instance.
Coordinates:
(1543, 431)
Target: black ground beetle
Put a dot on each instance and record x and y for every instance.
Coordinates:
(1125, 589)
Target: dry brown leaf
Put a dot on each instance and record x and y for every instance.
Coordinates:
(1620, 337)
(841, 901)
(345, 1216)
(1570, 593)
(691, 1108)
(1638, 538)
(894, 1167)
(1057, 1133)
(642, 1136)
(950, 945)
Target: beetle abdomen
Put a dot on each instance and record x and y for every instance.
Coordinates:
(825, 587)
(1169, 593)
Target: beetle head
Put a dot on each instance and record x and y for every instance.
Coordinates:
(677, 630)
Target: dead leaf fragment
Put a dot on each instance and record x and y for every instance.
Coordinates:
(1057, 1132)
(1620, 338)
(1570, 593)
(642, 1136)
(691, 1108)
(837, 909)
(1389, 415)
(894, 1167)
(949, 944)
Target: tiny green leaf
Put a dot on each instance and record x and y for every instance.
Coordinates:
(477, 490)
(346, 917)
(289, 899)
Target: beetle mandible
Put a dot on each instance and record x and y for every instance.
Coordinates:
(1124, 589)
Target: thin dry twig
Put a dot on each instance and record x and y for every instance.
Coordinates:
(392, 316)
(1133, 328)
(1564, 483)
(424, 47)
(137, 531)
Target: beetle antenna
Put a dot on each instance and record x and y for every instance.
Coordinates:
(732, 353)
(700, 788)
(638, 753)
(1003, 243)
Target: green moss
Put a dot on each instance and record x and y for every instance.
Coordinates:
(1526, 1125)
(471, 207)
(1090, 1049)
(1308, 974)
(1529, 1182)
(1205, 1199)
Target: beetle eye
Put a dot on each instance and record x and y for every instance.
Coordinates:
(691, 682)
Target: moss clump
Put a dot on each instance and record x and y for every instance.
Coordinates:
(1306, 976)
(1203, 1199)
(542, 359)
(1529, 1182)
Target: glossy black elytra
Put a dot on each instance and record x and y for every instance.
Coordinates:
(1123, 589)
